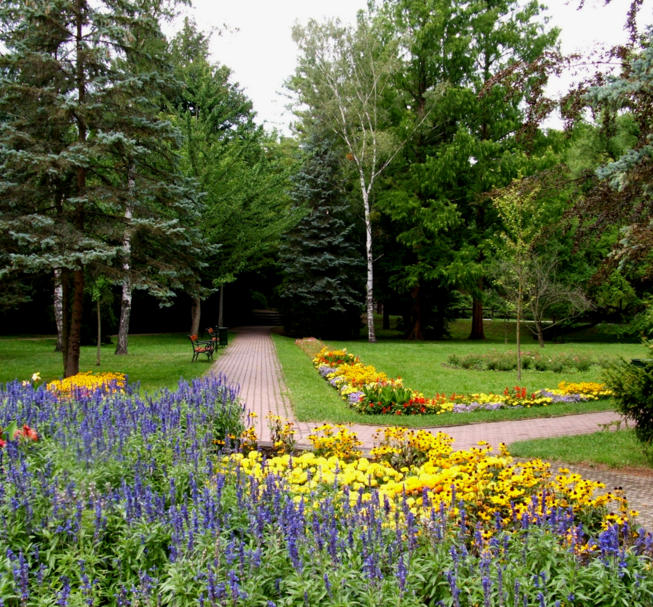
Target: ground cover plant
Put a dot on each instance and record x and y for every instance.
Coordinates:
(507, 361)
(125, 500)
(618, 449)
(157, 361)
(420, 366)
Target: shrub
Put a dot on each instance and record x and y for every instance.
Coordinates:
(541, 364)
(471, 361)
(633, 394)
(582, 363)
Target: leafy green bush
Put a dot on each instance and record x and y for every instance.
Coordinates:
(633, 394)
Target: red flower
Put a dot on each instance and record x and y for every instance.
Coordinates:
(26, 432)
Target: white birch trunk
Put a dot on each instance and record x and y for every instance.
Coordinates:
(126, 300)
(371, 335)
(58, 309)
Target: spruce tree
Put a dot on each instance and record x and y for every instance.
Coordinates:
(85, 158)
(323, 290)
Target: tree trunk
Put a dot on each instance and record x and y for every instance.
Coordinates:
(519, 312)
(386, 315)
(221, 307)
(371, 334)
(416, 314)
(195, 313)
(58, 309)
(74, 338)
(126, 300)
(540, 333)
(99, 334)
(477, 320)
(65, 318)
(72, 362)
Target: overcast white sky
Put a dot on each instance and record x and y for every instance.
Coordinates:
(262, 54)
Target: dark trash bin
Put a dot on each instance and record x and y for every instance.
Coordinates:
(223, 339)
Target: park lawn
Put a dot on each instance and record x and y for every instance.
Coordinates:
(420, 364)
(618, 449)
(156, 361)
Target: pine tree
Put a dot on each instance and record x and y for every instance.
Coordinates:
(81, 141)
(322, 293)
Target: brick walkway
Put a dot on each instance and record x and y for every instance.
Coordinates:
(251, 362)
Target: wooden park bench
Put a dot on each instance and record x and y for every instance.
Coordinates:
(201, 347)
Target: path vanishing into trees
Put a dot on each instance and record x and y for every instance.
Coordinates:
(251, 362)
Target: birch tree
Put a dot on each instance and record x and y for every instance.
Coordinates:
(343, 78)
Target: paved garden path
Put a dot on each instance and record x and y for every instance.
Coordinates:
(252, 363)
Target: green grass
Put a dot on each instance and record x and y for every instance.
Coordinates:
(156, 361)
(497, 331)
(420, 364)
(614, 449)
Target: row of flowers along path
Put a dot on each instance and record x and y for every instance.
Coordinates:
(252, 363)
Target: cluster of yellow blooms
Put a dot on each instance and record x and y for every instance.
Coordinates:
(86, 383)
(357, 375)
(335, 441)
(282, 433)
(586, 388)
(401, 447)
(488, 485)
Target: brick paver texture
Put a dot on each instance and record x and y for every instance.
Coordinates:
(252, 363)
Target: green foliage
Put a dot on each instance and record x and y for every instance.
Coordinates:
(85, 155)
(476, 133)
(617, 193)
(507, 361)
(322, 291)
(633, 395)
(241, 171)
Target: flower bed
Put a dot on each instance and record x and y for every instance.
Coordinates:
(371, 392)
(125, 500)
(87, 383)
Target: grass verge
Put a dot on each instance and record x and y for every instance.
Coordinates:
(156, 361)
(618, 449)
(315, 400)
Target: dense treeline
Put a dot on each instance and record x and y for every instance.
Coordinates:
(133, 173)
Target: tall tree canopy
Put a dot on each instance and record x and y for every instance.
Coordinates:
(237, 165)
(82, 138)
(477, 136)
